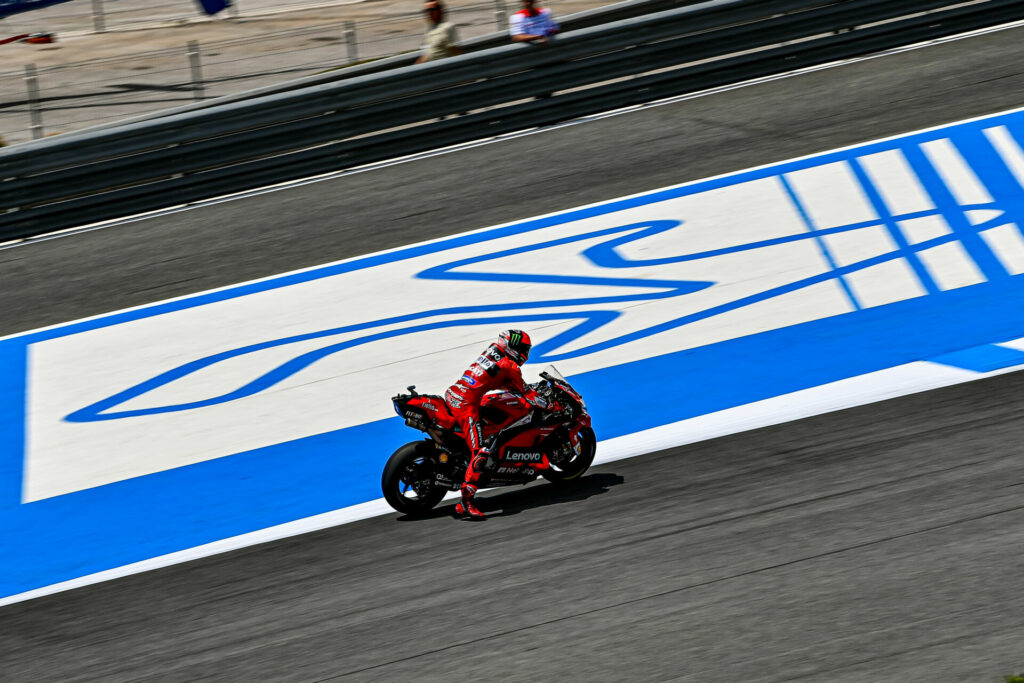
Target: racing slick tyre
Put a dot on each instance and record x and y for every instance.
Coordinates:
(573, 469)
(408, 479)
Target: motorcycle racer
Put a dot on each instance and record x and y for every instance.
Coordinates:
(498, 367)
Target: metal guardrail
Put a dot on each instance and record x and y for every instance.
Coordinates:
(58, 183)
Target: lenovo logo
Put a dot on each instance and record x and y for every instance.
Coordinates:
(524, 457)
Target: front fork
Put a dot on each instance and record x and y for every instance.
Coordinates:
(574, 440)
(575, 444)
(582, 422)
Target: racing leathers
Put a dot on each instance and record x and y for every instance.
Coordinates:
(493, 369)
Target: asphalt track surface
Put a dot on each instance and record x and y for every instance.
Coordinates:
(878, 543)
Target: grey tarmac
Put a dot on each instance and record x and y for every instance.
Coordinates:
(875, 544)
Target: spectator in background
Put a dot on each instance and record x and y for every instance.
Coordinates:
(441, 37)
(532, 25)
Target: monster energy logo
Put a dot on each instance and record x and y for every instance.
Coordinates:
(515, 337)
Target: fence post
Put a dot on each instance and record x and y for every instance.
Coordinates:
(501, 15)
(197, 70)
(350, 41)
(99, 24)
(35, 113)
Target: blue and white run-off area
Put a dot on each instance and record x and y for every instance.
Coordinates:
(680, 314)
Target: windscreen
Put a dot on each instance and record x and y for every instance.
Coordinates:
(553, 372)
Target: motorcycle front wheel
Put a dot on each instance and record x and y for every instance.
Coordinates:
(408, 479)
(578, 464)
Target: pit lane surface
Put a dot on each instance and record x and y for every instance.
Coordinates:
(879, 543)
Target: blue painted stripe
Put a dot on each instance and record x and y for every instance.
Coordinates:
(128, 521)
(954, 214)
(985, 358)
(997, 178)
(890, 223)
(12, 422)
(68, 536)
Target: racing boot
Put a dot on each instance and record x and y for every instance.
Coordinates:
(465, 508)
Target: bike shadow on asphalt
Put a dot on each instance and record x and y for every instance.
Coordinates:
(513, 500)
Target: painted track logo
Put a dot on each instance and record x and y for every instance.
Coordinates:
(926, 218)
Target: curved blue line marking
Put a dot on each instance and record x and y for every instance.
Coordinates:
(99, 410)
(103, 409)
(603, 254)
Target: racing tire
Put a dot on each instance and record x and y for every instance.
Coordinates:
(408, 479)
(575, 468)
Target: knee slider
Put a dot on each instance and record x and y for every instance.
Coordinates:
(479, 464)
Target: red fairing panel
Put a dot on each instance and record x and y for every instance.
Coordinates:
(511, 406)
(434, 407)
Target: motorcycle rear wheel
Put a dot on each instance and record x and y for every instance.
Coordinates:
(578, 465)
(408, 479)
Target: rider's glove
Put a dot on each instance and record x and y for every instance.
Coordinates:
(555, 407)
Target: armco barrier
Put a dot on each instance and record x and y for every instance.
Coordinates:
(59, 182)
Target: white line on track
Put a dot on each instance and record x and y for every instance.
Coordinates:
(848, 393)
(508, 136)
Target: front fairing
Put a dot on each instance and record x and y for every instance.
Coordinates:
(554, 377)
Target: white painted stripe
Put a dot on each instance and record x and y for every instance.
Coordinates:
(1006, 243)
(1017, 344)
(956, 173)
(891, 175)
(950, 266)
(1008, 149)
(831, 195)
(981, 216)
(878, 386)
(853, 246)
(885, 283)
(917, 230)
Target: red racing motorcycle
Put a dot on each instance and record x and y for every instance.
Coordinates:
(527, 441)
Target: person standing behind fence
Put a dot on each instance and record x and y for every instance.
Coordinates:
(441, 37)
(532, 24)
